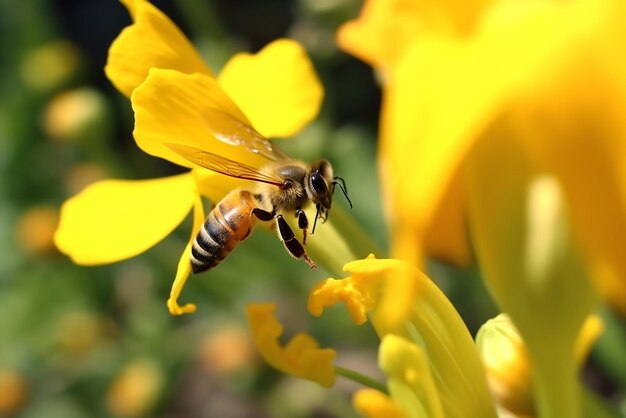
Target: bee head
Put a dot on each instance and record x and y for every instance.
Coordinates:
(320, 186)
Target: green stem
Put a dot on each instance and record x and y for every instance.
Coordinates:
(557, 389)
(359, 378)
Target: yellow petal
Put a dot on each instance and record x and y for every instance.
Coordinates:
(189, 109)
(302, 356)
(115, 219)
(386, 28)
(446, 236)
(371, 403)
(575, 118)
(152, 41)
(184, 264)
(433, 114)
(382, 31)
(359, 292)
(277, 88)
(328, 292)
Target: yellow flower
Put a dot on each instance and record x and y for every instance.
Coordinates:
(507, 364)
(175, 97)
(510, 115)
(136, 389)
(429, 358)
(301, 357)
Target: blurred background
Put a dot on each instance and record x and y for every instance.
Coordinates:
(99, 341)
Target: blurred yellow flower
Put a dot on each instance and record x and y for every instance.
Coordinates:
(174, 94)
(14, 391)
(510, 115)
(35, 230)
(507, 364)
(537, 71)
(301, 357)
(136, 389)
(429, 357)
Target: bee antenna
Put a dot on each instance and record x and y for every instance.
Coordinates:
(317, 215)
(339, 181)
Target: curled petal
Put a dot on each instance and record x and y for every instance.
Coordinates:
(358, 291)
(356, 295)
(362, 290)
(277, 88)
(301, 357)
(371, 403)
(184, 265)
(112, 220)
(152, 41)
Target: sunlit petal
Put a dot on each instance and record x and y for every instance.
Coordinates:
(152, 41)
(190, 109)
(115, 219)
(277, 88)
(301, 357)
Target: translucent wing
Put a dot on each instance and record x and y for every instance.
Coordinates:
(223, 165)
(234, 131)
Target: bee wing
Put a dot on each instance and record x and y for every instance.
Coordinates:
(223, 165)
(234, 131)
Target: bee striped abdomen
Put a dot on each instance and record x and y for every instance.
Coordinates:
(230, 222)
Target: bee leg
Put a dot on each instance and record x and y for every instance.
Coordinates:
(262, 214)
(303, 223)
(293, 246)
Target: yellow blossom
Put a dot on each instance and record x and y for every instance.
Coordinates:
(507, 364)
(501, 110)
(14, 389)
(176, 99)
(532, 67)
(432, 338)
(300, 357)
(135, 389)
(35, 229)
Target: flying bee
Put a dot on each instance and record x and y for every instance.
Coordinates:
(284, 185)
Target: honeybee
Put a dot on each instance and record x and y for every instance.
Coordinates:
(283, 185)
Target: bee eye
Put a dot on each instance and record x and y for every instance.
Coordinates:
(317, 183)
